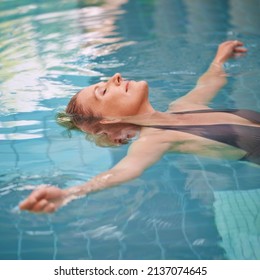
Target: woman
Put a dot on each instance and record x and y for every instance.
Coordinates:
(118, 110)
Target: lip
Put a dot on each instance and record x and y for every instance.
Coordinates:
(127, 85)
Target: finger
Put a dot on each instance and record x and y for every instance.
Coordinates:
(240, 50)
(39, 194)
(238, 43)
(40, 206)
(50, 208)
(30, 202)
(232, 42)
(27, 204)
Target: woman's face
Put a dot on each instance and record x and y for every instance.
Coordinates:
(116, 97)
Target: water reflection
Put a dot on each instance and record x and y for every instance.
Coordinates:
(41, 49)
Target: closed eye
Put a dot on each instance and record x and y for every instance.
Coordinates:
(99, 91)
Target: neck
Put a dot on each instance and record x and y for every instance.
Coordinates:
(145, 118)
(146, 108)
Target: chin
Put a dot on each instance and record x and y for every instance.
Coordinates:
(144, 83)
(144, 86)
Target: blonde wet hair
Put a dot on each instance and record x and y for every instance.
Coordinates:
(74, 117)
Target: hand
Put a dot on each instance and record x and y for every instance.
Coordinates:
(228, 50)
(45, 199)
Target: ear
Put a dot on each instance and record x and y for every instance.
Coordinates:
(120, 140)
(110, 120)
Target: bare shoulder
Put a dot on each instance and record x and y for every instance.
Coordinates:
(144, 151)
(151, 139)
(181, 106)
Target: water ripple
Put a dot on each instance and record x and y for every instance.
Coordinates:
(43, 52)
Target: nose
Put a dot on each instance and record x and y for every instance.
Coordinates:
(116, 79)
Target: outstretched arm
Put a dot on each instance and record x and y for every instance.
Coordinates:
(213, 79)
(140, 156)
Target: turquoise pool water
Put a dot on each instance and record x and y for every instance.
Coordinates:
(184, 207)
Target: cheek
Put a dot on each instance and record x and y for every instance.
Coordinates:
(125, 104)
(138, 96)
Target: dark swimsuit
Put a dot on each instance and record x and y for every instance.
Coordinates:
(244, 137)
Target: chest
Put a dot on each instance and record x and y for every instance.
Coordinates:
(186, 142)
(209, 119)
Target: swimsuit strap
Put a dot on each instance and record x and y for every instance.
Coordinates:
(250, 115)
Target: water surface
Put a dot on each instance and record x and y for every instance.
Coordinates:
(184, 207)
